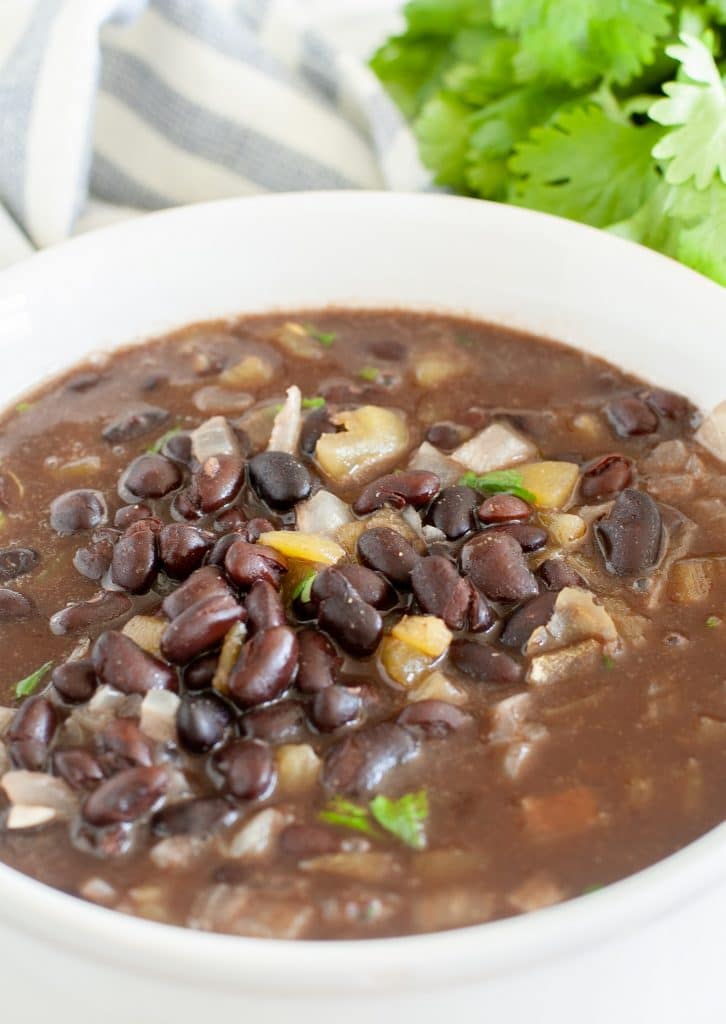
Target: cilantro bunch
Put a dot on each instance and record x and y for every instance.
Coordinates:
(610, 112)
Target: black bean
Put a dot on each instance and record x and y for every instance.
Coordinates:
(246, 564)
(359, 762)
(630, 416)
(218, 480)
(78, 767)
(334, 707)
(134, 424)
(445, 435)
(150, 476)
(528, 536)
(232, 520)
(182, 548)
(134, 564)
(453, 511)
(200, 628)
(247, 767)
(630, 536)
(202, 583)
(264, 608)
(103, 608)
(414, 487)
(94, 560)
(520, 625)
(479, 616)
(31, 733)
(370, 586)
(265, 667)
(503, 508)
(198, 674)
(440, 591)
(315, 424)
(203, 720)
(185, 505)
(16, 562)
(220, 548)
(496, 565)
(281, 480)
(386, 551)
(126, 796)
(435, 718)
(179, 448)
(483, 663)
(355, 625)
(605, 476)
(668, 404)
(129, 514)
(126, 744)
(557, 573)
(282, 722)
(304, 841)
(14, 606)
(199, 816)
(75, 681)
(84, 381)
(77, 510)
(119, 662)
(318, 661)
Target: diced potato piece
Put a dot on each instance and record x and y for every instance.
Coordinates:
(563, 527)
(306, 547)
(402, 663)
(149, 901)
(250, 372)
(437, 686)
(550, 668)
(298, 767)
(576, 616)
(692, 579)
(551, 483)
(425, 633)
(145, 631)
(371, 437)
(298, 342)
(590, 426)
(364, 866)
(561, 814)
(495, 447)
(233, 641)
(436, 367)
(350, 534)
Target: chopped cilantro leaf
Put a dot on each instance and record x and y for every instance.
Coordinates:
(348, 815)
(317, 402)
(304, 587)
(28, 685)
(592, 888)
(369, 373)
(608, 662)
(501, 481)
(404, 818)
(23, 406)
(156, 447)
(326, 338)
(712, 621)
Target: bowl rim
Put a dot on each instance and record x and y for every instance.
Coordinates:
(365, 965)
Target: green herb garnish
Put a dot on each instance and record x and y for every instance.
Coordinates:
(160, 442)
(501, 481)
(608, 662)
(23, 406)
(304, 587)
(28, 685)
(369, 373)
(592, 888)
(326, 338)
(317, 402)
(404, 818)
(712, 621)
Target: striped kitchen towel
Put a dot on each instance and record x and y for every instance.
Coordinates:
(145, 104)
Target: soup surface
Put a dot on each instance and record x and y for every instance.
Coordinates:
(345, 624)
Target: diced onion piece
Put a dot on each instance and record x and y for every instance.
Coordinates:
(145, 631)
(214, 398)
(692, 579)
(495, 447)
(250, 372)
(257, 836)
(371, 437)
(214, 437)
(233, 641)
(430, 459)
(158, 715)
(257, 422)
(576, 616)
(564, 813)
(364, 866)
(425, 633)
(307, 547)
(551, 483)
(563, 527)
(402, 663)
(323, 514)
(6, 717)
(296, 340)
(557, 666)
(298, 767)
(508, 717)
(435, 367)
(437, 686)
(38, 788)
(87, 466)
(22, 816)
(98, 890)
(537, 892)
(712, 432)
(287, 424)
(176, 853)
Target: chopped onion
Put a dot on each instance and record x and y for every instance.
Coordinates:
(508, 717)
(495, 447)
(257, 836)
(537, 892)
(558, 666)
(233, 641)
(158, 715)
(576, 617)
(287, 425)
(23, 787)
(324, 513)
(712, 432)
(431, 460)
(176, 853)
(6, 717)
(365, 866)
(22, 816)
(214, 437)
(213, 398)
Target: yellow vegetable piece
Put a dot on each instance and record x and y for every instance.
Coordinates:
(298, 342)
(231, 648)
(691, 579)
(307, 547)
(403, 664)
(372, 436)
(250, 372)
(298, 767)
(563, 527)
(433, 368)
(424, 633)
(551, 483)
(145, 631)
(437, 686)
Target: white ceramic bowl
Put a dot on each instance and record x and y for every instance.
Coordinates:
(648, 948)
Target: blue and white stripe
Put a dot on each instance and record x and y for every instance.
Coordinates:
(146, 104)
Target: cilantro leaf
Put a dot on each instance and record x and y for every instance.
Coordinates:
(500, 481)
(304, 587)
(369, 373)
(326, 338)
(442, 130)
(586, 166)
(404, 818)
(26, 686)
(701, 217)
(695, 108)
(317, 402)
(411, 69)
(445, 17)
(348, 815)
